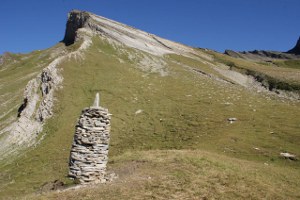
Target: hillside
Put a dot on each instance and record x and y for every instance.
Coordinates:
(170, 134)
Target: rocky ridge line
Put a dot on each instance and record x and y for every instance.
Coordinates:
(122, 34)
(262, 55)
(36, 108)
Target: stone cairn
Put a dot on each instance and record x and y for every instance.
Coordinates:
(89, 153)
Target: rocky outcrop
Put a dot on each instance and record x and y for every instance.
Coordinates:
(233, 54)
(6, 58)
(33, 111)
(296, 49)
(76, 19)
(38, 103)
(50, 80)
(89, 153)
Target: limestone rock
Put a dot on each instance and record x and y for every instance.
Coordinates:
(232, 119)
(76, 20)
(288, 156)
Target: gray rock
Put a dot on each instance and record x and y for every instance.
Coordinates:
(288, 156)
(232, 119)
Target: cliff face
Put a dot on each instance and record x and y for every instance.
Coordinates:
(296, 49)
(76, 20)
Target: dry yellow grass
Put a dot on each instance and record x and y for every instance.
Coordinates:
(187, 174)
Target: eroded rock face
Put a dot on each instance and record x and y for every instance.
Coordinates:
(76, 20)
(89, 153)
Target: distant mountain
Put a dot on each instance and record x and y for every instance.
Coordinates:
(187, 123)
(296, 49)
(262, 55)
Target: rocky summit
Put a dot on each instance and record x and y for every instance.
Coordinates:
(188, 123)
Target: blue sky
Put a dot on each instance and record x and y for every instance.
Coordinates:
(28, 25)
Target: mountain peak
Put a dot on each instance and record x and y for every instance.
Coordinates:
(120, 33)
(296, 49)
(76, 19)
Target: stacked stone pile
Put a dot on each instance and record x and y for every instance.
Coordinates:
(89, 153)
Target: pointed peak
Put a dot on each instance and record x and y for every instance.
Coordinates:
(76, 19)
(298, 42)
(296, 49)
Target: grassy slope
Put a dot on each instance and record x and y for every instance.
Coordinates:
(186, 174)
(280, 74)
(288, 63)
(180, 111)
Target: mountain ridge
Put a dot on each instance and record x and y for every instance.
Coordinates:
(122, 33)
(264, 55)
